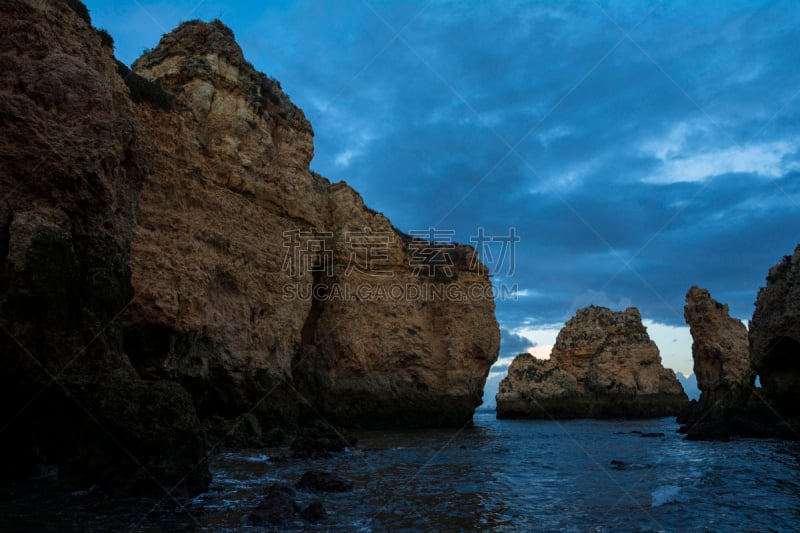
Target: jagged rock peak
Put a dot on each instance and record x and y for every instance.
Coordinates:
(592, 326)
(208, 51)
(729, 404)
(240, 150)
(719, 348)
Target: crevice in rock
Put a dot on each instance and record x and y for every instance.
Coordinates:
(143, 90)
(308, 331)
(306, 365)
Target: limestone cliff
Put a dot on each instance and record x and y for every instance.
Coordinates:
(74, 157)
(161, 232)
(602, 365)
(219, 306)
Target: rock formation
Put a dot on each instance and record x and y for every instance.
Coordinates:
(74, 157)
(219, 307)
(602, 365)
(775, 336)
(161, 232)
(726, 363)
(720, 351)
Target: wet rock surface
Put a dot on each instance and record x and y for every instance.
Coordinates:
(321, 481)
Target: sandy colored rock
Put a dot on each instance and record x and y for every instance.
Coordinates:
(720, 350)
(149, 273)
(74, 156)
(220, 304)
(730, 404)
(602, 365)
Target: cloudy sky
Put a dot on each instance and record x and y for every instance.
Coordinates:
(637, 148)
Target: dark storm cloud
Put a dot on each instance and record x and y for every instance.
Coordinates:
(631, 168)
(512, 344)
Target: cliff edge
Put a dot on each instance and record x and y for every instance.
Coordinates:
(261, 285)
(168, 257)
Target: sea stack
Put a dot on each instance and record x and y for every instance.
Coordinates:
(720, 351)
(170, 263)
(727, 359)
(603, 365)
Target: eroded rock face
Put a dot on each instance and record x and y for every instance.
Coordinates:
(602, 365)
(720, 350)
(74, 157)
(726, 366)
(147, 241)
(775, 336)
(218, 306)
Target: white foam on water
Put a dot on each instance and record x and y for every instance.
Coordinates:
(665, 494)
(260, 458)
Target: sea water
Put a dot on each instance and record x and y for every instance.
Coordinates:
(500, 475)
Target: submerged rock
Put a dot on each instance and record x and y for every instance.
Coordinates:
(320, 439)
(276, 508)
(314, 512)
(602, 365)
(320, 481)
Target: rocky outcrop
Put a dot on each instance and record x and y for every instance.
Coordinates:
(74, 157)
(775, 336)
(602, 365)
(166, 252)
(219, 304)
(726, 363)
(720, 350)
(721, 356)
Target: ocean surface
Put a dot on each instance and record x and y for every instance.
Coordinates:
(501, 475)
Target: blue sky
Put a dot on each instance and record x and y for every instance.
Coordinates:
(638, 148)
